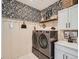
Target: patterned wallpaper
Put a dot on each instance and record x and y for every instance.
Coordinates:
(55, 8)
(18, 10)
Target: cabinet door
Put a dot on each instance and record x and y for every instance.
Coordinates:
(63, 53)
(63, 19)
(72, 57)
(58, 54)
(73, 17)
(69, 56)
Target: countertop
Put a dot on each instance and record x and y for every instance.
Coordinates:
(68, 44)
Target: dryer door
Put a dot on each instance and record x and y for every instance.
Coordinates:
(43, 42)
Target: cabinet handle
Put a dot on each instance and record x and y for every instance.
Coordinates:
(63, 56)
(69, 25)
(66, 25)
(66, 57)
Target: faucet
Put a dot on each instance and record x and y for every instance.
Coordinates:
(70, 39)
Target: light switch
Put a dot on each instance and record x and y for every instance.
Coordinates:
(11, 25)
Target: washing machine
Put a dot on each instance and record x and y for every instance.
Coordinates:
(35, 39)
(35, 43)
(46, 39)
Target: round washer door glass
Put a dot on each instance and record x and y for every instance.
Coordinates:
(43, 42)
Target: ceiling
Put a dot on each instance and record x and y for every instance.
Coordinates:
(38, 4)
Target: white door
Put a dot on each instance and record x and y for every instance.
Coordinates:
(73, 17)
(6, 40)
(63, 19)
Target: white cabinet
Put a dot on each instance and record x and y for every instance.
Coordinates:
(63, 19)
(73, 17)
(68, 56)
(68, 18)
(62, 51)
(58, 54)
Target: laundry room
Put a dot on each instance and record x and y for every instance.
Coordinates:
(39, 29)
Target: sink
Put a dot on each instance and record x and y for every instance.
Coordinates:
(68, 44)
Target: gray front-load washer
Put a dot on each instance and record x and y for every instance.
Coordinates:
(46, 41)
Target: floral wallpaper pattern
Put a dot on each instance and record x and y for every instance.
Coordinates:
(18, 10)
(55, 8)
(15, 9)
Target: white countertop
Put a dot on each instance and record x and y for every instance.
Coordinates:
(68, 44)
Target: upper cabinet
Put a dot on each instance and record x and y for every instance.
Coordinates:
(68, 18)
(73, 17)
(62, 19)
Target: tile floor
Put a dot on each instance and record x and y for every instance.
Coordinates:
(29, 56)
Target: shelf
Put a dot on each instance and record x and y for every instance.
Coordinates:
(48, 20)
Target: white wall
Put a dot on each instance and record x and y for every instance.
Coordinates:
(16, 42)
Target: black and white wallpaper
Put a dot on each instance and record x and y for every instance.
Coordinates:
(18, 10)
(54, 7)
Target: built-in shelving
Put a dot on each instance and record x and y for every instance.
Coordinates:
(48, 20)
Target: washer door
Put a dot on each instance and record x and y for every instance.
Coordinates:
(43, 42)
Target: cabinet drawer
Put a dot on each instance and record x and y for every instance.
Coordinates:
(67, 50)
